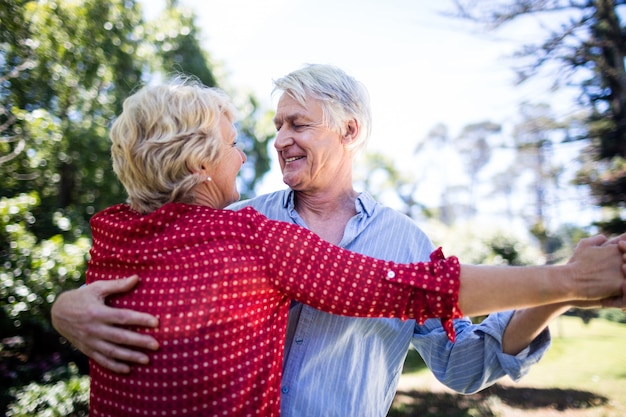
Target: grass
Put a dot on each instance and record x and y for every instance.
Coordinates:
(583, 374)
(591, 357)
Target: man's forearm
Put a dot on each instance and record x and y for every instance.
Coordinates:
(100, 331)
(527, 324)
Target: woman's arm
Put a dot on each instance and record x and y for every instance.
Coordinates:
(338, 281)
(332, 279)
(83, 318)
(526, 324)
(593, 273)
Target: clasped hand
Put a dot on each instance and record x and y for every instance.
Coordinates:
(600, 272)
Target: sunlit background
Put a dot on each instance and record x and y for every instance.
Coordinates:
(422, 68)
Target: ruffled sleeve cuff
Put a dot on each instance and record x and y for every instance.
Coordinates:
(435, 292)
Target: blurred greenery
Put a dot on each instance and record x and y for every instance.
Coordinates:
(65, 69)
(66, 397)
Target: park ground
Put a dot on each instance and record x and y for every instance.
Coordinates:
(582, 375)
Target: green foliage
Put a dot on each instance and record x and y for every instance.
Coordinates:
(175, 38)
(65, 69)
(65, 77)
(613, 314)
(33, 272)
(68, 397)
(486, 244)
(255, 131)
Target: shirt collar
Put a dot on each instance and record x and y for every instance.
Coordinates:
(364, 203)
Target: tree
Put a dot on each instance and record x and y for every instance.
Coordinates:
(474, 147)
(255, 132)
(534, 138)
(443, 160)
(175, 40)
(379, 175)
(588, 47)
(65, 69)
(437, 155)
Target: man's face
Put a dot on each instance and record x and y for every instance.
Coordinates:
(311, 155)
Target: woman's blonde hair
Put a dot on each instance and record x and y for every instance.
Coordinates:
(162, 138)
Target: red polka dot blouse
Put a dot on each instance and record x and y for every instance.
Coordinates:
(220, 283)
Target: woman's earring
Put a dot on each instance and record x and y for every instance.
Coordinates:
(209, 179)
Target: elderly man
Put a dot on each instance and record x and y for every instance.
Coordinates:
(335, 366)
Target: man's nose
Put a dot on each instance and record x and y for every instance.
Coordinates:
(283, 139)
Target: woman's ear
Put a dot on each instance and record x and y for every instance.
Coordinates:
(351, 131)
(202, 170)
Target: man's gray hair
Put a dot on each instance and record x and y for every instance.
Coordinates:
(342, 97)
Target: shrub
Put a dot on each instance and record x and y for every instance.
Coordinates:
(67, 398)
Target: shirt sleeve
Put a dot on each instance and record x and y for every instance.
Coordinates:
(476, 360)
(332, 279)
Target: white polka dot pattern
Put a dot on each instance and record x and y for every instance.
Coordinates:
(220, 283)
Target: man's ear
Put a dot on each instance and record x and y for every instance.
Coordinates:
(351, 131)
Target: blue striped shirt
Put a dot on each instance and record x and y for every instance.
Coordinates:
(343, 366)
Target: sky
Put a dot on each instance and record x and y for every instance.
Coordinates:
(421, 68)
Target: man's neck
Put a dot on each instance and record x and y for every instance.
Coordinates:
(327, 214)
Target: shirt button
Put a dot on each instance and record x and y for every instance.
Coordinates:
(299, 341)
(284, 390)
(391, 274)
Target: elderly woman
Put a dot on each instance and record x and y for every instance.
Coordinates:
(221, 281)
